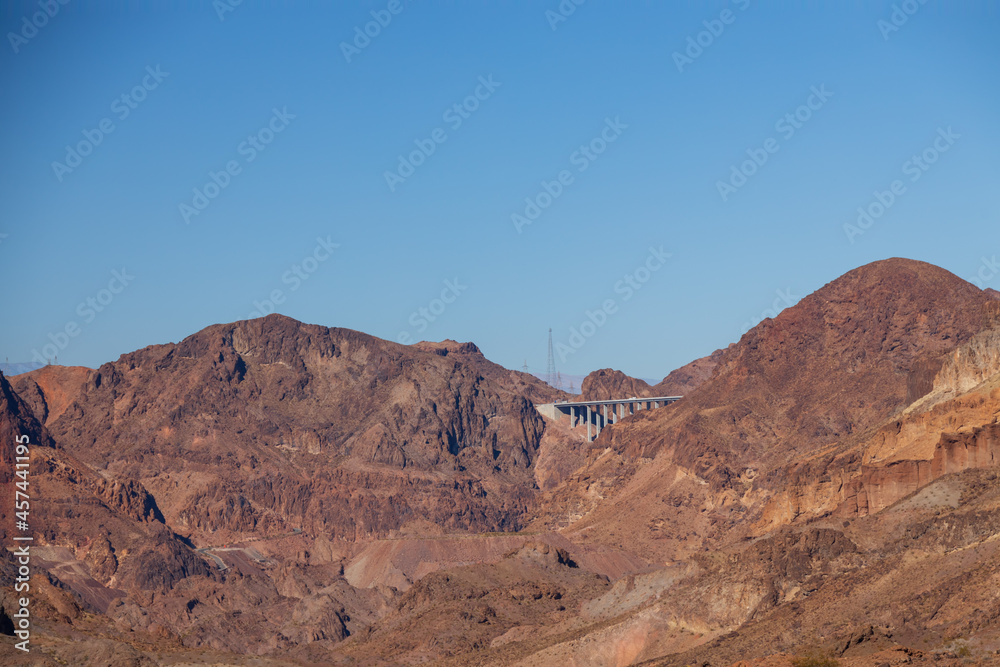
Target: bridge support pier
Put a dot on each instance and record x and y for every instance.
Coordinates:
(588, 424)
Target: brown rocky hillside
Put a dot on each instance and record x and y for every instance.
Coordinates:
(827, 487)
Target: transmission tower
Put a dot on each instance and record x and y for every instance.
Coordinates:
(550, 367)
(525, 369)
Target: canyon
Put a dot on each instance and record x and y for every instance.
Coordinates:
(273, 492)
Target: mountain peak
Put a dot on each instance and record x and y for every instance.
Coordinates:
(446, 347)
(898, 272)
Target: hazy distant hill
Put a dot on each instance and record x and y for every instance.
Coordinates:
(18, 367)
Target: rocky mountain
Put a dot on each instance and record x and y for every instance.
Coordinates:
(838, 363)
(609, 383)
(827, 487)
(269, 425)
(844, 405)
(78, 574)
(297, 444)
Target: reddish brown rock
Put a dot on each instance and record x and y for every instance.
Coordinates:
(836, 363)
(689, 377)
(262, 426)
(795, 502)
(609, 383)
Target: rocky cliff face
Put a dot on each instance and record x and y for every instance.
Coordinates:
(97, 537)
(951, 429)
(16, 422)
(963, 369)
(266, 425)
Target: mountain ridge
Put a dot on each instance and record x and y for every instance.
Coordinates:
(313, 493)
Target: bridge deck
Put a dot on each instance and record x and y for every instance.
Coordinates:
(589, 411)
(616, 401)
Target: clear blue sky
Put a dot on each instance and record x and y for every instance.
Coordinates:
(323, 174)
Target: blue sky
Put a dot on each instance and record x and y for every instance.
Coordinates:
(312, 220)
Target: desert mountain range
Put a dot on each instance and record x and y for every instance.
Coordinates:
(273, 492)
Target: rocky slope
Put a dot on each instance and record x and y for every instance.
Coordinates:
(860, 396)
(259, 427)
(827, 486)
(807, 384)
(689, 377)
(480, 613)
(276, 450)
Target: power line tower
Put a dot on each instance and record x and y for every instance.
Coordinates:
(550, 367)
(525, 368)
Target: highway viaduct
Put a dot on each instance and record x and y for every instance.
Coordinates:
(595, 413)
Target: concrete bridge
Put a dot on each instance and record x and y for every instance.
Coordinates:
(596, 412)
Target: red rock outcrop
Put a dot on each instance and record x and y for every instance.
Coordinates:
(878, 487)
(51, 389)
(609, 383)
